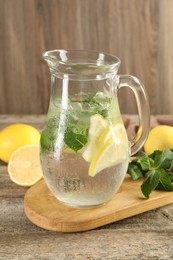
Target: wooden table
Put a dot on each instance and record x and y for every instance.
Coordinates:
(145, 236)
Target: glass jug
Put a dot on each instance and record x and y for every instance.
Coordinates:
(84, 148)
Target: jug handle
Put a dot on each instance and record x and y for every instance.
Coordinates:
(143, 110)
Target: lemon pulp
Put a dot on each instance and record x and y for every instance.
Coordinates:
(24, 165)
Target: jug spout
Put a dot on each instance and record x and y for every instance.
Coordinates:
(52, 59)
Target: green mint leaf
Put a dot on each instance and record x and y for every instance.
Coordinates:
(75, 136)
(45, 143)
(145, 161)
(171, 167)
(155, 157)
(157, 168)
(134, 171)
(151, 182)
(97, 103)
(164, 182)
(171, 176)
(49, 134)
(166, 159)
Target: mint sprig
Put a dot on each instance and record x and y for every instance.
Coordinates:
(156, 168)
(76, 136)
(94, 103)
(80, 108)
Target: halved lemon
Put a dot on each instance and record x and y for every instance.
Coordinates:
(24, 166)
(112, 149)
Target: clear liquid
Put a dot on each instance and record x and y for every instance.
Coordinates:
(69, 181)
(66, 172)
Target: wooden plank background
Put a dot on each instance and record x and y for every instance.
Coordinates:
(139, 32)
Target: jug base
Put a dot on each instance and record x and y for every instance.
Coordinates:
(82, 205)
(86, 206)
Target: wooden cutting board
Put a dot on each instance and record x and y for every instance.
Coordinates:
(45, 211)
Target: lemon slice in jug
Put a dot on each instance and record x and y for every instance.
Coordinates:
(112, 149)
(97, 125)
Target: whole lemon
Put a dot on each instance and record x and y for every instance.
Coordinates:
(159, 137)
(15, 136)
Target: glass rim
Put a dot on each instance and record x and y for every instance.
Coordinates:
(81, 63)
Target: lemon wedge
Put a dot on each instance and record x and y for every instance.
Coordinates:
(97, 125)
(112, 149)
